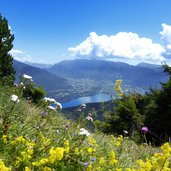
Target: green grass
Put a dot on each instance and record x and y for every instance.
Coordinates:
(26, 138)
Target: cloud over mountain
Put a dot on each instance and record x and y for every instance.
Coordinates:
(20, 55)
(166, 37)
(126, 45)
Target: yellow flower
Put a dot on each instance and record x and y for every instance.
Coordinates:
(27, 169)
(56, 154)
(117, 140)
(166, 149)
(91, 141)
(113, 162)
(25, 156)
(30, 151)
(19, 139)
(112, 158)
(118, 169)
(89, 167)
(128, 169)
(52, 159)
(76, 151)
(93, 145)
(102, 161)
(66, 145)
(112, 155)
(147, 166)
(117, 88)
(35, 163)
(4, 138)
(41, 162)
(3, 167)
(59, 153)
(47, 168)
(89, 150)
(31, 144)
(44, 141)
(67, 150)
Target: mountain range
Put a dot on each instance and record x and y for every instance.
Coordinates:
(50, 82)
(147, 65)
(39, 65)
(81, 77)
(105, 73)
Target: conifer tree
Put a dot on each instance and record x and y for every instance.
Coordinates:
(158, 109)
(126, 116)
(7, 72)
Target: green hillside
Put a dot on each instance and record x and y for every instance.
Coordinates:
(102, 74)
(53, 84)
(31, 139)
(56, 86)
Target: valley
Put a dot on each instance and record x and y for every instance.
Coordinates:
(72, 79)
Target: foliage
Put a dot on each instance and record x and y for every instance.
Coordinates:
(134, 110)
(158, 110)
(7, 72)
(118, 89)
(45, 141)
(32, 92)
(125, 117)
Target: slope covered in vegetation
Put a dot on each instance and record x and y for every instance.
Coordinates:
(38, 138)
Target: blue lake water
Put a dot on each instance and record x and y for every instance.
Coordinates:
(87, 99)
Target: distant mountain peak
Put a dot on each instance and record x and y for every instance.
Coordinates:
(39, 65)
(148, 65)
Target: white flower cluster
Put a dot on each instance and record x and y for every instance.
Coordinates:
(89, 118)
(14, 98)
(52, 108)
(125, 131)
(83, 106)
(28, 77)
(57, 105)
(47, 99)
(84, 132)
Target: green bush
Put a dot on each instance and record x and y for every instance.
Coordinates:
(34, 93)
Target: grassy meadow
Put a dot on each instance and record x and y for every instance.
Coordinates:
(37, 138)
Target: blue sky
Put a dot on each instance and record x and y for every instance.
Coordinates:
(49, 31)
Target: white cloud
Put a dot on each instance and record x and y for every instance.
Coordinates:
(20, 55)
(125, 45)
(16, 52)
(166, 37)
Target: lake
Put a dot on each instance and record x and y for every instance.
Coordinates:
(87, 99)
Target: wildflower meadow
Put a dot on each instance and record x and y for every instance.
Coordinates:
(38, 138)
(35, 135)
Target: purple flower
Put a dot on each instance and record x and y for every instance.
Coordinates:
(43, 114)
(85, 164)
(90, 145)
(93, 159)
(74, 134)
(144, 129)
